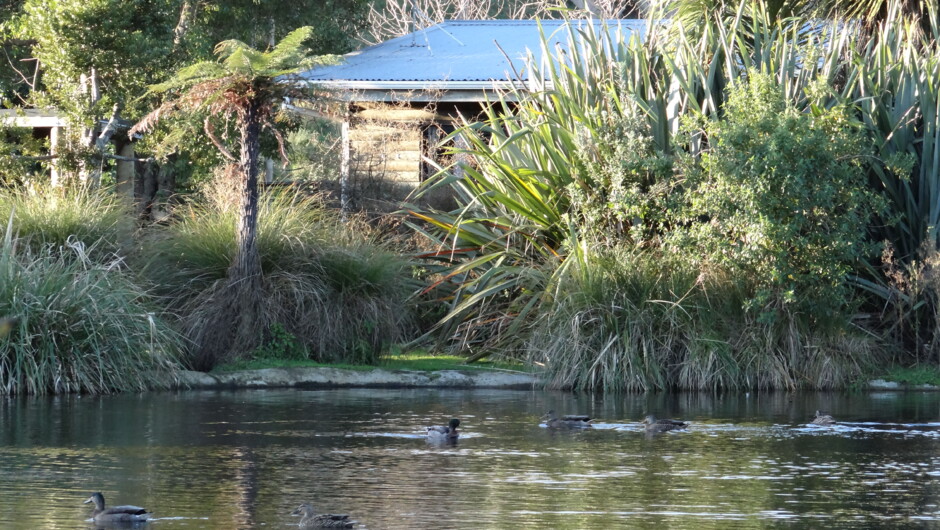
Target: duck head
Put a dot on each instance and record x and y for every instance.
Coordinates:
(96, 498)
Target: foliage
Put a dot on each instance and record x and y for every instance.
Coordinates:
(627, 319)
(914, 375)
(757, 206)
(79, 326)
(129, 44)
(314, 151)
(279, 344)
(260, 24)
(61, 217)
(17, 145)
(328, 284)
(586, 162)
(544, 180)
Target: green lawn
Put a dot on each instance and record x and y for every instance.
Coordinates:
(420, 361)
(914, 375)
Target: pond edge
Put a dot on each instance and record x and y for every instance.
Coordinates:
(326, 377)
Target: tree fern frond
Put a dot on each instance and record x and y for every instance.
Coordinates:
(189, 76)
(290, 51)
(246, 61)
(318, 60)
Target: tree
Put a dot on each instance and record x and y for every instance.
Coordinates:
(691, 12)
(247, 86)
(201, 23)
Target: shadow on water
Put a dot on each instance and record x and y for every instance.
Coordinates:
(244, 459)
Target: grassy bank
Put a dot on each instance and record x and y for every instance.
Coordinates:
(418, 361)
(911, 375)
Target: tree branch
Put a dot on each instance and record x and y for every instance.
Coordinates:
(109, 129)
(281, 144)
(207, 125)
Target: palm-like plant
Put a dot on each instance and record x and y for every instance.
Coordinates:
(246, 85)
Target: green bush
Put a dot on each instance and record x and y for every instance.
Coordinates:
(80, 326)
(781, 197)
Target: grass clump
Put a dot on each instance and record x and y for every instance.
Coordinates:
(629, 320)
(53, 217)
(330, 290)
(79, 326)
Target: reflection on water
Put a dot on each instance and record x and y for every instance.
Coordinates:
(243, 459)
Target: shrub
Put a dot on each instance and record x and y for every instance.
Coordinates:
(781, 197)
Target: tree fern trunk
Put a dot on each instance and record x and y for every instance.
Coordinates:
(246, 267)
(236, 323)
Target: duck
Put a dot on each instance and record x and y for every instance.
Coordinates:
(446, 433)
(311, 519)
(822, 419)
(114, 514)
(569, 421)
(653, 425)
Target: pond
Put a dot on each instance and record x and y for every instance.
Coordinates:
(246, 459)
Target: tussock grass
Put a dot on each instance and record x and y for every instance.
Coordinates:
(328, 284)
(628, 321)
(80, 326)
(51, 217)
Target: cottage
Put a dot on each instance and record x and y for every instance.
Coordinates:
(405, 94)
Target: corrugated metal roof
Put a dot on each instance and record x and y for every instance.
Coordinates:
(457, 54)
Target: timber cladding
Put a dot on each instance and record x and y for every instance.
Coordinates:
(390, 150)
(394, 147)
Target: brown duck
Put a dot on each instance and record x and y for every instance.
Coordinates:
(116, 514)
(653, 425)
(311, 519)
(822, 419)
(569, 421)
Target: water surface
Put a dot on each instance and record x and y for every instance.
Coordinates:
(245, 459)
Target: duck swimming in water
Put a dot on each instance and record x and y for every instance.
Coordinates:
(653, 425)
(822, 419)
(311, 519)
(116, 514)
(569, 421)
(446, 433)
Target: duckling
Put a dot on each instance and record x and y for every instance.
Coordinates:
(114, 514)
(653, 425)
(311, 519)
(569, 421)
(444, 434)
(822, 419)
